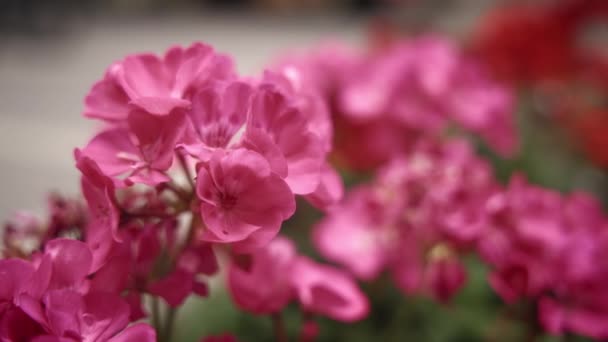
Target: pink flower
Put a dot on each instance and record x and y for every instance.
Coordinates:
(364, 251)
(328, 291)
(292, 81)
(269, 266)
(136, 332)
(218, 117)
(268, 118)
(155, 85)
(50, 298)
(550, 249)
(142, 151)
(16, 277)
(275, 116)
(417, 205)
(383, 102)
(484, 107)
(578, 302)
(329, 191)
(322, 69)
(240, 196)
(92, 317)
(526, 234)
(285, 276)
(445, 276)
(444, 84)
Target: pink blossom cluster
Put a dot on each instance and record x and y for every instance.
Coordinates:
(549, 248)
(57, 295)
(384, 101)
(422, 214)
(195, 169)
(252, 142)
(319, 289)
(415, 219)
(191, 160)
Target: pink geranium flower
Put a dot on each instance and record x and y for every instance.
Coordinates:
(420, 212)
(275, 116)
(272, 119)
(269, 266)
(328, 291)
(217, 118)
(319, 289)
(50, 298)
(364, 251)
(153, 84)
(240, 195)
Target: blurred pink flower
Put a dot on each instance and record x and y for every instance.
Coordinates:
(415, 218)
(328, 291)
(286, 276)
(50, 298)
(269, 266)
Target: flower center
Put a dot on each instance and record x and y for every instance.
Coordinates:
(227, 201)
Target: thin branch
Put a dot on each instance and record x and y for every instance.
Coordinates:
(156, 323)
(169, 324)
(278, 325)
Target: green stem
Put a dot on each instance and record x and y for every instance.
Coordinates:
(280, 334)
(305, 334)
(156, 317)
(169, 324)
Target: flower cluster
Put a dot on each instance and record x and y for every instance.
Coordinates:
(195, 170)
(414, 220)
(421, 214)
(550, 249)
(57, 295)
(383, 103)
(189, 156)
(319, 289)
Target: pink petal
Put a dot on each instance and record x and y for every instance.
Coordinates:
(139, 332)
(144, 76)
(71, 260)
(271, 266)
(105, 315)
(174, 288)
(63, 309)
(330, 191)
(106, 100)
(328, 291)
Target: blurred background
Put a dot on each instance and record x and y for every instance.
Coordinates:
(51, 52)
